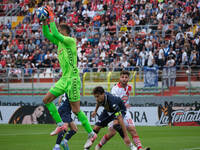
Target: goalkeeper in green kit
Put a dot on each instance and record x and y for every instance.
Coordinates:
(70, 82)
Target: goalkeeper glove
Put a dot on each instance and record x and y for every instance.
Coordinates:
(50, 11)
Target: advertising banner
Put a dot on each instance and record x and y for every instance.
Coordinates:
(142, 116)
(135, 101)
(25, 115)
(178, 116)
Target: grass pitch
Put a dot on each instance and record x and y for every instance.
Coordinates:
(36, 137)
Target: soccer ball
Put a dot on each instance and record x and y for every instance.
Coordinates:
(42, 14)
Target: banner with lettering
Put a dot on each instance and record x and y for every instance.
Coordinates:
(142, 116)
(150, 76)
(178, 116)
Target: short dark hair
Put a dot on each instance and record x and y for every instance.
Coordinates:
(98, 90)
(125, 72)
(65, 27)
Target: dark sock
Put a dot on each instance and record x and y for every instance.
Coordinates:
(118, 128)
(96, 131)
(70, 134)
(60, 137)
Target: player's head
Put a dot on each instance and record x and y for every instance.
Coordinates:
(124, 77)
(98, 93)
(64, 29)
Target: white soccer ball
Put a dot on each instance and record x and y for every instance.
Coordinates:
(42, 14)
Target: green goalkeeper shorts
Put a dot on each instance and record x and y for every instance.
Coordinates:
(71, 86)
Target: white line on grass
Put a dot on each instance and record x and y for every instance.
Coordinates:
(13, 134)
(36, 133)
(197, 148)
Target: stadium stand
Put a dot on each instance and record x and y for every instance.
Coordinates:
(111, 35)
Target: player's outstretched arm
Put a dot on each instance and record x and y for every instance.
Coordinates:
(63, 38)
(47, 33)
(53, 27)
(121, 122)
(126, 137)
(95, 111)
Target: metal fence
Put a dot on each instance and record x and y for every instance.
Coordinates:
(150, 82)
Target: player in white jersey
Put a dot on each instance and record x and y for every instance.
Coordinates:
(122, 90)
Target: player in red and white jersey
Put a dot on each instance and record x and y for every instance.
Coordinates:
(122, 89)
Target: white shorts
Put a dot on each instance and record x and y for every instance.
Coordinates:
(128, 121)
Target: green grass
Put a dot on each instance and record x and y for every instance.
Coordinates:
(36, 137)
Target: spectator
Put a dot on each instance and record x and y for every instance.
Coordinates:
(3, 62)
(184, 58)
(29, 69)
(101, 26)
(150, 61)
(14, 72)
(124, 61)
(161, 57)
(170, 62)
(56, 66)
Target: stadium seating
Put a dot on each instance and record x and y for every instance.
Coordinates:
(111, 36)
(122, 10)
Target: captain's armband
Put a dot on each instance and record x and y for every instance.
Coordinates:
(118, 114)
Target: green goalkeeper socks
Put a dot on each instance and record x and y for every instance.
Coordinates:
(54, 112)
(84, 121)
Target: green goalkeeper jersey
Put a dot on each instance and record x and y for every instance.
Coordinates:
(67, 52)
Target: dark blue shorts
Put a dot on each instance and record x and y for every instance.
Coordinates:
(106, 118)
(65, 115)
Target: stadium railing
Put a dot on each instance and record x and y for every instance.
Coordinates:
(167, 81)
(92, 30)
(137, 29)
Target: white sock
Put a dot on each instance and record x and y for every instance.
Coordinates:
(57, 145)
(65, 140)
(131, 144)
(91, 134)
(60, 124)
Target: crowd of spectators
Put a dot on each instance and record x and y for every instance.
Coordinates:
(111, 34)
